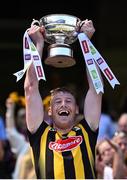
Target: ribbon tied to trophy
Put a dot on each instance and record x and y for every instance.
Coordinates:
(93, 57)
(61, 30)
(30, 55)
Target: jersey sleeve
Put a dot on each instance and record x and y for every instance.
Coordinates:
(35, 138)
(92, 134)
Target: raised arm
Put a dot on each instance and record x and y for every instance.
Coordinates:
(34, 106)
(92, 103)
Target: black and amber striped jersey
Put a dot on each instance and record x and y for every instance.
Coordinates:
(68, 156)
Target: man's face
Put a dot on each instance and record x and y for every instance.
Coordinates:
(21, 118)
(122, 123)
(63, 110)
(122, 142)
(106, 152)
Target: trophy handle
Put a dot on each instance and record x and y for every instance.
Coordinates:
(81, 23)
(78, 26)
(35, 22)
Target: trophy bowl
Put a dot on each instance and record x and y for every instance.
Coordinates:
(60, 32)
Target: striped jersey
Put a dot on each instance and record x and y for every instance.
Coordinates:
(68, 156)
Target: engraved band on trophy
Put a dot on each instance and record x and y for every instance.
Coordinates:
(60, 32)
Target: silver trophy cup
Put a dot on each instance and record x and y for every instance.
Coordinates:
(60, 32)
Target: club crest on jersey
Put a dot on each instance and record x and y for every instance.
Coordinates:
(68, 144)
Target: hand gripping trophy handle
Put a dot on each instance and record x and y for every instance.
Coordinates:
(35, 22)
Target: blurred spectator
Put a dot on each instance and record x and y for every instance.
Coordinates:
(109, 160)
(107, 126)
(46, 103)
(2, 130)
(122, 123)
(1, 150)
(26, 167)
(7, 159)
(16, 131)
(121, 139)
(2, 138)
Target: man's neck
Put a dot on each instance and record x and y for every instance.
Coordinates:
(62, 130)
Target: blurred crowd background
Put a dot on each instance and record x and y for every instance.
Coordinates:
(109, 18)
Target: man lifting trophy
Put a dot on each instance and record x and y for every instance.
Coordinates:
(64, 148)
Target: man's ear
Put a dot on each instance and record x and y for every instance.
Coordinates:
(49, 111)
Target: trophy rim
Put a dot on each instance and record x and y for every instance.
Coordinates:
(65, 16)
(60, 14)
